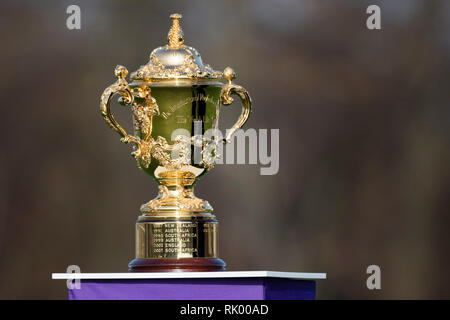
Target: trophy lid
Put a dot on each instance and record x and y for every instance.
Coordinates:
(175, 61)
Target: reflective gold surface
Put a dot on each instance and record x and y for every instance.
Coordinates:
(176, 239)
(174, 100)
(175, 61)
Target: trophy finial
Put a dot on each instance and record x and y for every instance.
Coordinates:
(175, 36)
(229, 74)
(120, 72)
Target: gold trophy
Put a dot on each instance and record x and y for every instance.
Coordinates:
(175, 99)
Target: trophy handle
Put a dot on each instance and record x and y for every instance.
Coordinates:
(225, 96)
(119, 87)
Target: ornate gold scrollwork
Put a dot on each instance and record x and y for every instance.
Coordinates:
(180, 198)
(229, 89)
(175, 60)
(120, 87)
(142, 115)
(143, 111)
(145, 146)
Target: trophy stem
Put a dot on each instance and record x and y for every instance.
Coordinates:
(176, 232)
(176, 199)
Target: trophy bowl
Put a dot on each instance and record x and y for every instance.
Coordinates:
(175, 101)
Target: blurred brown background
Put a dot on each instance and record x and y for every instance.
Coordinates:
(364, 127)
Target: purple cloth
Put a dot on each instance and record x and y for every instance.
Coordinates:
(196, 289)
